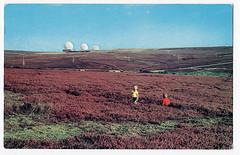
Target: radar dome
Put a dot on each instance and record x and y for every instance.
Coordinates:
(96, 47)
(68, 46)
(84, 47)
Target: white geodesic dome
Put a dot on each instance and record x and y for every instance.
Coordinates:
(96, 47)
(68, 46)
(84, 47)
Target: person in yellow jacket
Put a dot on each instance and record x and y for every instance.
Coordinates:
(135, 95)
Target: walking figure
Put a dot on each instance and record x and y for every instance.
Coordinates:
(135, 95)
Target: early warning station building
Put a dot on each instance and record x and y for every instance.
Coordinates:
(68, 47)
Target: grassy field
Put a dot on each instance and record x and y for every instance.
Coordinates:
(196, 73)
(202, 73)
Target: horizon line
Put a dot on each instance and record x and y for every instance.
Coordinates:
(165, 48)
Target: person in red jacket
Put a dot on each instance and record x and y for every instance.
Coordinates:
(165, 100)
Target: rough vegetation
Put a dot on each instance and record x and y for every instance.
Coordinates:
(72, 109)
(208, 60)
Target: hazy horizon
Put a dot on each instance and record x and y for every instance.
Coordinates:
(122, 49)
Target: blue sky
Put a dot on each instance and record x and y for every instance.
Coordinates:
(47, 27)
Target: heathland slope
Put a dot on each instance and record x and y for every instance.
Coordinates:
(73, 109)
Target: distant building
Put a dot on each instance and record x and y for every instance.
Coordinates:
(96, 47)
(84, 47)
(115, 71)
(68, 46)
